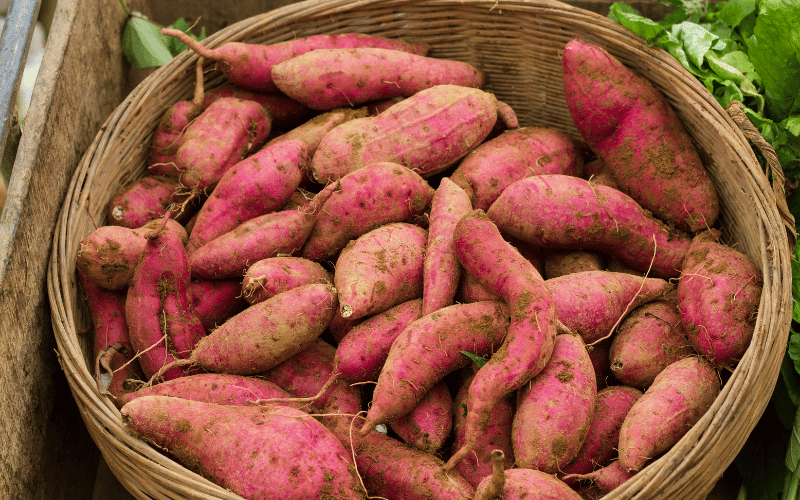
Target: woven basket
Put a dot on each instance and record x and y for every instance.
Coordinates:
(518, 44)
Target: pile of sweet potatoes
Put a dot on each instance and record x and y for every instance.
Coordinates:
(350, 273)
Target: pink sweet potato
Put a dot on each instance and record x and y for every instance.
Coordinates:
(426, 132)
(606, 478)
(441, 269)
(361, 353)
(112, 344)
(109, 254)
(430, 348)
(428, 424)
(169, 132)
(142, 200)
(560, 262)
(599, 354)
(269, 277)
(256, 452)
(630, 124)
(559, 211)
(305, 373)
(679, 396)
(250, 65)
(214, 388)
(325, 79)
(648, 340)
(470, 290)
(363, 200)
(257, 185)
(298, 200)
(521, 484)
(266, 334)
(591, 303)
(380, 269)
(595, 171)
(340, 327)
(719, 294)
(222, 136)
(491, 167)
(214, 301)
(503, 270)
(286, 113)
(555, 409)
(599, 448)
(497, 436)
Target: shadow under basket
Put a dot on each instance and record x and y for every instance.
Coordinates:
(518, 44)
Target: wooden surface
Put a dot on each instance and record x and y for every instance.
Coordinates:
(45, 450)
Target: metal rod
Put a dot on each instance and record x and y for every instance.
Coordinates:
(14, 44)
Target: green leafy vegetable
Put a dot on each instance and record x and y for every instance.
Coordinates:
(477, 359)
(145, 46)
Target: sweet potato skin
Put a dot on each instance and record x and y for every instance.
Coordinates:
(269, 277)
(286, 113)
(679, 396)
(140, 201)
(525, 483)
(325, 79)
(428, 424)
(214, 301)
(554, 410)
(363, 200)
(719, 294)
(380, 269)
(560, 262)
(238, 447)
(491, 167)
(630, 124)
(559, 211)
(427, 132)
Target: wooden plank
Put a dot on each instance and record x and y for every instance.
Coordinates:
(46, 452)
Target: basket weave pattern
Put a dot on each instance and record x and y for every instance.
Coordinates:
(518, 44)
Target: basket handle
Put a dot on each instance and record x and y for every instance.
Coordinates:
(736, 111)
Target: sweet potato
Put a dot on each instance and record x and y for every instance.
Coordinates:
(363, 200)
(257, 185)
(325, 79)
(527, 347)
(430, 348)
(428, 424)
(112, 345)
(340, 327)
(286, 113)
(559, 211)
(256, 452)
(250, 65)
(679, 396)
(426, 132)
(719, 294)
(168, 135)
(142, 200)
(269, 277)
(631, 126)
(521, 484)
(599, 448)
(591, 303)
(648, 340)
(595, 171)
(222, 136)
(554, 410)
(606, 478)
(497, 436)
(599, 355)
(266, 334)
(109, 254)
(560, 262)
(305, 373)
(380, 269)
(214, 301)
(441, 270)
(491, 167)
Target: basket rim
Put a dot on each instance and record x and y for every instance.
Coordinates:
(104, 420)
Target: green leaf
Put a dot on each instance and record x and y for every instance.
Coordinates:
(477, 359)
(697, 40)
(723, 69)
(734, 11)
(143, 44)
(176, 46)
(627, 16)
(464, 405)
(791, 380)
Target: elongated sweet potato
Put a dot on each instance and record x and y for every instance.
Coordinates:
(250, 65)
(430, 348)
(719, 294)
(251, 451)
(677, 399)
(606, 478)
(269, 277)
(426, 132)
(559, 211)
(521, 484)
(630, 124)
(380, 269)
(325, 79)
(363, 200)
(286, 113)
(214, 301)
(555, 409)
(560, 262)
(142, 200)
(491, 167)
(503, 270)
(428, 424)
